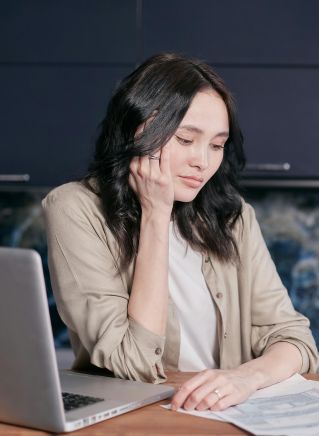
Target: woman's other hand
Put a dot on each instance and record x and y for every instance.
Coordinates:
(215, 389)
(150, 178)
(218, 389)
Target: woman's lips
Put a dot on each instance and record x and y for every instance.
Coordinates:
(192, 181)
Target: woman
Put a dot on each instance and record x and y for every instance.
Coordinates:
(155, 260)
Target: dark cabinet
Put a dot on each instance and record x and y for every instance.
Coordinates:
(50, 118)
(234, 32)
(279, 115)
(59, 62)
(267, 52)
(71, 32)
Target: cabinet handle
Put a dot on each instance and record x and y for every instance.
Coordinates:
(15, 177)
(268, 166)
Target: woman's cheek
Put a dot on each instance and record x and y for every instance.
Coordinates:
(174, 158)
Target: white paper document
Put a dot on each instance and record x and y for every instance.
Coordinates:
(287, 408)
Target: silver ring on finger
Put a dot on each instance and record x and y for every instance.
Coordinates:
(152, 157)
(216, 391)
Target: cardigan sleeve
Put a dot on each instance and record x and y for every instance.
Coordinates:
(90, 291)
(274, 318)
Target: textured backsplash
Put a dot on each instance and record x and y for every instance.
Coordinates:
(22, 225)
(289, 221)
(290, 224)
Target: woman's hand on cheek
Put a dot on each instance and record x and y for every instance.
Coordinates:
(214, 389)
(152, 182)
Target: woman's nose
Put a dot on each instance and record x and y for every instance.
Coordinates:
(199, 157)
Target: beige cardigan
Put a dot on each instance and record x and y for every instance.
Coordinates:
(252, 306)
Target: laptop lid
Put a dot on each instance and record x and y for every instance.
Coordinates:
(29, 380)
(30, 384)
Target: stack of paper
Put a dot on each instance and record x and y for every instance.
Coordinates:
(287, 408)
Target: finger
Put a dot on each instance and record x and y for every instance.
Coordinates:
(134, 165)
(233, 397)
(198, 395)
(155, 155)
(188, 387)
(154, 164)
(222, 404)
(214, 397)
(143, 167)
(165, 159)
(132, 182)
(184, 391)
(209, 390)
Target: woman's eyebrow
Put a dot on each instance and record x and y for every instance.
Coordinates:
(195, 129)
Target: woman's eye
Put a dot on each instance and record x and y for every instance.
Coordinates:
(184, 140)
(217, 147)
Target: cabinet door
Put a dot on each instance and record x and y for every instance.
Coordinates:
(245, 31)
(58, 64)
(72, 31)
(268, 54)
(49, 119)
(279, 114)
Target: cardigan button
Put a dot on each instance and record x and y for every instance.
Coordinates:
(158, 351)
(225, 335)
(219, 295)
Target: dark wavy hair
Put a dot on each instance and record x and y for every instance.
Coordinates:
(162, 89)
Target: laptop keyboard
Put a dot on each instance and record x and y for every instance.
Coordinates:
(74, 401)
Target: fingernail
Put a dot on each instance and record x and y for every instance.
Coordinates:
(173, 407)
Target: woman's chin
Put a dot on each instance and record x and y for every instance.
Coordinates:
(185, 196)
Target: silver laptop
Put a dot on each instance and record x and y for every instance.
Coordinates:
(33, 393)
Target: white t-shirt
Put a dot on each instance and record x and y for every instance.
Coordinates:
(194, 305)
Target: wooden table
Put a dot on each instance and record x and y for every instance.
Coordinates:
(149, 421)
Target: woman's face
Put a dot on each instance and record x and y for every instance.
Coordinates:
(197, 147)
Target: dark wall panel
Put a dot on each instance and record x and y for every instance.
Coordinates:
(59, 61)
(279, 113)
(245, 31)
(68, 31)
(49, 118)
